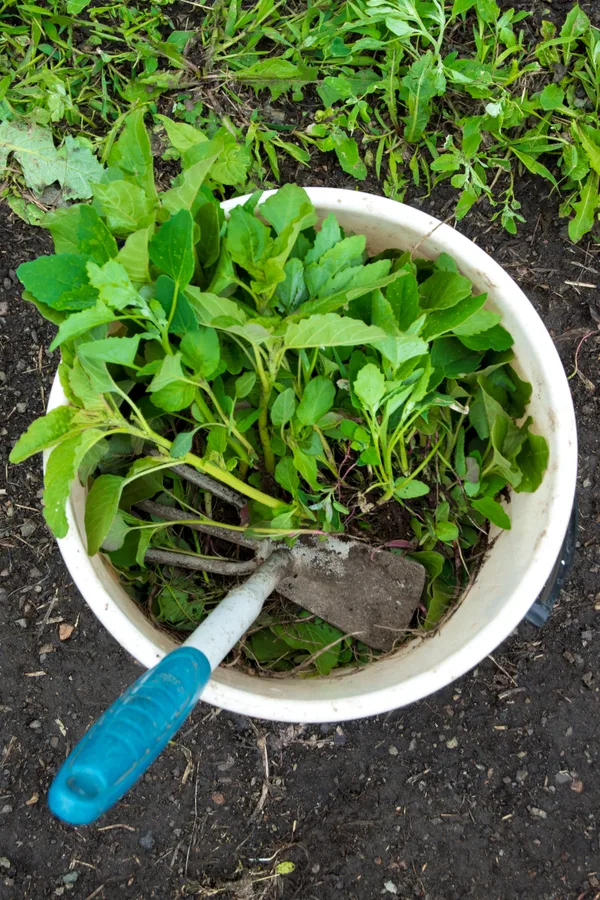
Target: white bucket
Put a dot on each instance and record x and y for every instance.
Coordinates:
(507, 583)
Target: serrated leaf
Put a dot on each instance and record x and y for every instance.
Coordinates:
(443, 290)
(533, 462)
(585, 208)
(441, 321)
(279, 75)
(119, 350)
(81, 322)
(113, 284)
(43, 433)
(313, 637)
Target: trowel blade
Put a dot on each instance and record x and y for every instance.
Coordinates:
(369, 594)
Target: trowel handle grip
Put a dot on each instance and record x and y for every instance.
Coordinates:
(124, 742)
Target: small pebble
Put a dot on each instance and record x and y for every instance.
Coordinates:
(70, 877)
(577, 786)
(218, 798)
(393, 751)
(4, 862)
(390, 887)
(36, 724)
(147, 841)
(452, 744)
(537, 813)
(521, 775)
(562, 778)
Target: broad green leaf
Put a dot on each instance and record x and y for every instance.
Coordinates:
(347, 152)
(60, 282)
(117, 534)
(443, 320)
(552, 97)
(411, 489)
(247, 239)
(284, 407)
(480, 321)
(423, 81)
(292, 291)
(181, 135)
(73, 166)
(120, 350)
(132, 153)
(232, 158)
(182, 444)
(209, 245)
(493, 511)
(585, 209)
(182, 319)
(289, 204)
(575, 25)
(327, 237)
(174, 396)
(172, 248)
(42, 433)
(496, 338)
(125, 206)
(317, 400)
(93, 237)
(369, 386)
(81, 322)
(443, 290)
(133, 256)
(170, 371)
(209, 307)
(450, 355)
(348, 252)
(330, 330)
(401, 348)
(185, 195)
(313, 637)
(369, 276)
(441, 595)
(89, 378)
(533, 462)
(113, 284)
(61, 469)
(307, 466)
(63, 225)
(266, 647)
(200, 351)
(589, 138)
(286, 475)
(534, 166)
(100, 509)
(403, 296)
(446, 532)
(244, 385)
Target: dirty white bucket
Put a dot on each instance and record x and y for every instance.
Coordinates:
(508, 582)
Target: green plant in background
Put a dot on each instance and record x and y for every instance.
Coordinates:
(410, 91)
(281, 361)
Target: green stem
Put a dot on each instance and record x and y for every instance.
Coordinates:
(249, 449)
(227, 478)
(263, 418)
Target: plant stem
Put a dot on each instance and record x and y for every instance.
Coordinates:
(227, 478)
(263, 418)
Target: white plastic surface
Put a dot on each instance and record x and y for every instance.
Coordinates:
(507, 584)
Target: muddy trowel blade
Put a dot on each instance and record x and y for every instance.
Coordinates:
(369, 594)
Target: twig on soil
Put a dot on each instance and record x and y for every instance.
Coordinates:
(262, 746)
(503, 670)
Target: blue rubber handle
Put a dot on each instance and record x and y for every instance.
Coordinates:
(124, 742)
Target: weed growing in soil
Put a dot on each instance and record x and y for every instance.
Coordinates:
(311, 381)
(410, 90)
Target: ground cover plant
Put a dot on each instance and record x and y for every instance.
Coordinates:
(410, 92)
(281, 361)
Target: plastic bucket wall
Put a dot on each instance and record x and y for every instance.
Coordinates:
(508, 582)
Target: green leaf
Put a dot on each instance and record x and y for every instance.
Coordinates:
(113, 284)
(292, 291)
(443, 290)
(181, 135)
(443, 320)
(63, 225)
(585, 209)
(182, 444)
(247, 239)
(284, 407)
(413, 488)
(346, 150)
(496, 338)
(181, 320)
(446, 532)
(493, 511)
(73, 166)
(289, 204)
(42, 433)
(125, 206)
(317, 400)
(327, 237)
(61, 469)
(60, 281)
(589, 138)
(286, 475)
(331, 330)
(100, 509)
(172, 248)
(82, 322)
(369, 386)
(170, 371)
(422, 82)
(575, 25)
(186, 194)
(200, 350)
(552, 97)
(480, 321)
(403, 296)
(534, 166)
(117, 534)
(209, 307)
(132, 153)
(120, 350)
(174, 396)
(450, 355)
(208, 246)
(313, 637)
(133, 256)
(307, 466)
(266, 647)
(278, 75)
(93, 237)
(533, 462)
(244, 385)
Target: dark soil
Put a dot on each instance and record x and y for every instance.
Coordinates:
(487, 790)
